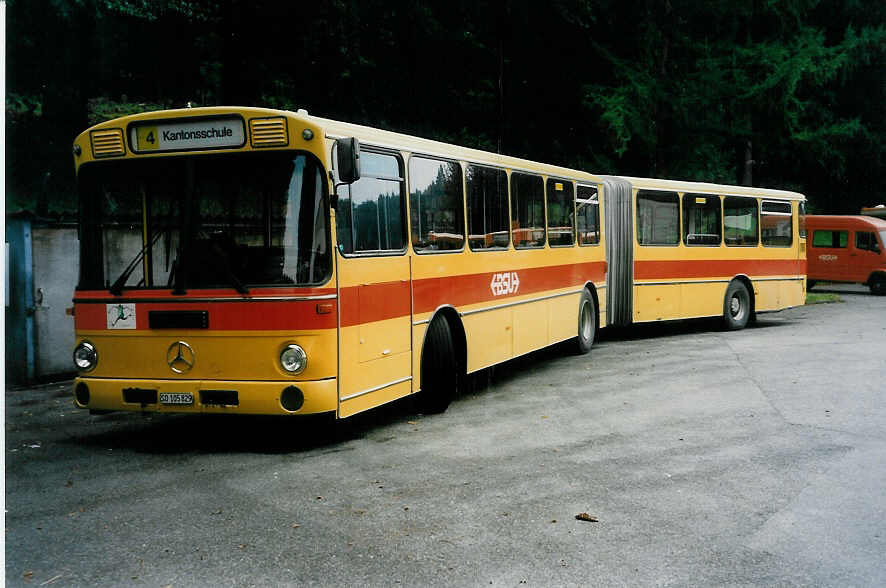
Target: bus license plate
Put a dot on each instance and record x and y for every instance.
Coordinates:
(176, 398)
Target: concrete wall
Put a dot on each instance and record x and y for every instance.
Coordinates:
(56, 271)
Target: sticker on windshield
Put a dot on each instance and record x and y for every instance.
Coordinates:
(121, 316)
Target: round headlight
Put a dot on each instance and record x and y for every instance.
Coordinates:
(85, 356)
(293, 359)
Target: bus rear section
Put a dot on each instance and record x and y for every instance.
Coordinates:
(207, 282)
(847, 249)
(681, 250)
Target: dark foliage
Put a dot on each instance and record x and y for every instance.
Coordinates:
(778, 94)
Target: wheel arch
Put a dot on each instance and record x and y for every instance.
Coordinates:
(592, 288)
(744, 279)
(456, 328)
(877, 273)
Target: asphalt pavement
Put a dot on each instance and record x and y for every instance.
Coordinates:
(703, 458)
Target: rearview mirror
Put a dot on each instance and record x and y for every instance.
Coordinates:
(348, 159)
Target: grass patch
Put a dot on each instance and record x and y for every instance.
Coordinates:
(822, 298)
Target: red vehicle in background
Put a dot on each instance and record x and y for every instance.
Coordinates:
(847, 249)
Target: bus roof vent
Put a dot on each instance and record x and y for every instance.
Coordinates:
(107, 143)
(268, 132)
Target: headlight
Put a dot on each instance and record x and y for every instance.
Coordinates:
(85, 356)
(293, 359)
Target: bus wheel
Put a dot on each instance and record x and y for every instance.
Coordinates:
(587, 322)
(736, 307)
(439, 376)
(810, 284)
(878, 285)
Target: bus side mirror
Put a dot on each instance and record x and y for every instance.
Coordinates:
(348, 161)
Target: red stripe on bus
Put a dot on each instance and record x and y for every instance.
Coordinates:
(431, 293)
(163, 294)
(359, 304)
(250, 315)
(374, 302)
(659, 270)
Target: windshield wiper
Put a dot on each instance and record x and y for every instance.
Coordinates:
(235, 281)
(117, 288)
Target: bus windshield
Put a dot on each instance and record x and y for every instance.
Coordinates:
(230, 221)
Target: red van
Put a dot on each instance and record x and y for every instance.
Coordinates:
(847, 249)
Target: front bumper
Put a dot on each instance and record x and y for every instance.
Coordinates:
(209, 396)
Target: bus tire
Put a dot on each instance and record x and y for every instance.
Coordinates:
(877, 284)
(810, 284)
(736, 306)
(587, 323)
(439, 375)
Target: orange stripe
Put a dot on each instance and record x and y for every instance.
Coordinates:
(250, 315)
(163, 294)
(432, 293)
(374, 302)
(659, 270)
(359, 304)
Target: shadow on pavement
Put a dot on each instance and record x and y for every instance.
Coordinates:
(184, 434)
(842, 292)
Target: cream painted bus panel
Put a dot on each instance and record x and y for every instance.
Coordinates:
(490, 337)
(792, 292)
(356, 376)
(377, 398)
(418, 335)
(563, 312)
(531, 324)
(704, 299)
(767, 295)
(383, 338)
(656, 302)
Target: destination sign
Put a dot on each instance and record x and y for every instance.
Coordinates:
(187, 134)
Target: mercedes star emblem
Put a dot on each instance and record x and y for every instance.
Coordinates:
(180, 357)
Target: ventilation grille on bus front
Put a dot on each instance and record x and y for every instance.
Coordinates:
(268, 132)
(107, 143)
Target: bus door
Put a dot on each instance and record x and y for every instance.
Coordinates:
(374, 286)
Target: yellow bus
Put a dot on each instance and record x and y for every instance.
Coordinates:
(255, 261)
(684, 250)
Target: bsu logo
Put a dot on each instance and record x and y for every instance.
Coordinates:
(504, 283)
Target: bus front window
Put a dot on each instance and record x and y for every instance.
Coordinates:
(230, 221)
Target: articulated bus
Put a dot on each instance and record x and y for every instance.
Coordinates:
(255, 261)
(690, 250)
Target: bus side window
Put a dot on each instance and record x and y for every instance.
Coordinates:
(487, 207)
(776, 225)
(371, 212)
(740, 221)
(561, 213)
(701, 219)
(801, 219)
(527, 210)
(658, 218)
(343, 220)
(587, 214)
(436, 205)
